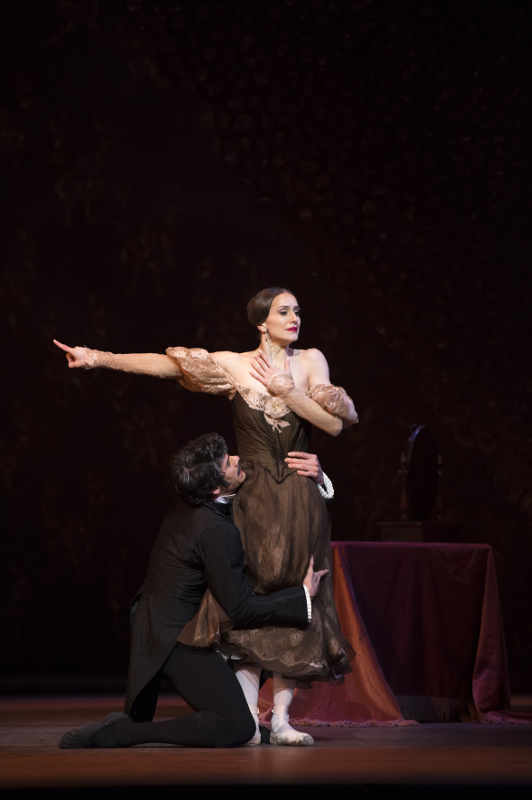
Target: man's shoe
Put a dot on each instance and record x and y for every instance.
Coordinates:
(79, 738)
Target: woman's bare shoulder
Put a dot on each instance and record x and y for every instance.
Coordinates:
(311, 355)
(231, 360)
(224, 355)
(232, 354)
(236, 364)
(249, 355)
(315, 366)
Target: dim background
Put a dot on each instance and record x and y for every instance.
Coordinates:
(164, 161)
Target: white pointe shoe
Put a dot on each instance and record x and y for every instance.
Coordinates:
(283, 733)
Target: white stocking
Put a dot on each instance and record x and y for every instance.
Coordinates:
(249, 680)
(282, 731)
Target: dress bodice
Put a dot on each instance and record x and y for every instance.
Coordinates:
(264, 440)
(265, 427)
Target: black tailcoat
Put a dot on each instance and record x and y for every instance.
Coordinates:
(197, 547)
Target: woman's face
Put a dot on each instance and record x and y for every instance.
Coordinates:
(284, 320)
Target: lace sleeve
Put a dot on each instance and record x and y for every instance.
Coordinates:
(335, 400)
(200, 372)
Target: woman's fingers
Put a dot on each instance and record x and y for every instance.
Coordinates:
(69, 353)
(62, 346)
(259, 367)
(74, 355)
(259, 371)
(262, 371)
(258, 377)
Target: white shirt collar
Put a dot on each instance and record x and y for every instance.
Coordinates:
(225, 498)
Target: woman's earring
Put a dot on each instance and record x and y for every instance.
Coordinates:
(267, 340)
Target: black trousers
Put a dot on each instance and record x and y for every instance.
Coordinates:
(221, 716)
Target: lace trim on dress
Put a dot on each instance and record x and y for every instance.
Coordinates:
(273, 408)
(200, 372)
(335, 400)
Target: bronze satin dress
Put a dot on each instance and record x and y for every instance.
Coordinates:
(282, 520)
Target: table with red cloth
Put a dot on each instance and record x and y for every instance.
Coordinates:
(425, 622)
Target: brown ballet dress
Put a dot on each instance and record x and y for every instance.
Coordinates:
(282, 520)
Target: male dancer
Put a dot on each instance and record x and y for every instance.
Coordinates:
(198, 547)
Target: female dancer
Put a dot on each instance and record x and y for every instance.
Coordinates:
(277, 393)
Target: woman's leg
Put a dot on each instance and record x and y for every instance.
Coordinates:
(249, 680)
(282, 731)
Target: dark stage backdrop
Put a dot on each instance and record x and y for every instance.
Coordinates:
(163, 162)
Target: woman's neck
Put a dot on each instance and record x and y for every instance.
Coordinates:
(276, 352)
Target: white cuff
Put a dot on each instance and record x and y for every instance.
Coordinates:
(309, 603)
(326, 489)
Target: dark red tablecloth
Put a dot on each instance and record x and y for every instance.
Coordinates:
(425, 623)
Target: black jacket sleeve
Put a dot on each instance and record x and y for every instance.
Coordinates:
(223, 558)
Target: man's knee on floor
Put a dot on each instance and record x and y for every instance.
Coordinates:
(234, 731)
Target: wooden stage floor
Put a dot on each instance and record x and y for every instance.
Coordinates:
(442, 757)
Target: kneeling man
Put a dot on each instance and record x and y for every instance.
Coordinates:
(198, 547)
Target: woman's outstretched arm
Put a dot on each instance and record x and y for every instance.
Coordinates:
(156, 364)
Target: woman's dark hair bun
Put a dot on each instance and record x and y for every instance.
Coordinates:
(259, 306)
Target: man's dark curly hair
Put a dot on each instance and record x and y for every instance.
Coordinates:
(196, 468)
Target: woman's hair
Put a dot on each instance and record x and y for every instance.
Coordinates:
(196, 468)
(259, 306)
